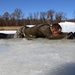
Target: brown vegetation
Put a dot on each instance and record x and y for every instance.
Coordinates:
(9, 27)
(16, 19)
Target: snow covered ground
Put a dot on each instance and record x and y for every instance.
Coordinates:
(37, 57)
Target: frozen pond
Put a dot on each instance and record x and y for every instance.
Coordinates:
(37, 57)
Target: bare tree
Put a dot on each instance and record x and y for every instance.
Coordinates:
(18, 13)
(30, 17)
(12, 16)
(36, 15)
(59, 16)
(74, 14)
(6, 16)
(43, 16)
(50, 14)
(0, 16)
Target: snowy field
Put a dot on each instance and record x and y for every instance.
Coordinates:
(37, 57)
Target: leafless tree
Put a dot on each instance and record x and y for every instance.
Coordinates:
(30, 18)
(36, 15)
(50, 14)
(0, 16)
(74, 14)
(18, 13)
(43, 16)
(6, 16)
(59, 16)
(12, 16)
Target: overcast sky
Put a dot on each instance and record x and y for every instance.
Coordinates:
(31, 6)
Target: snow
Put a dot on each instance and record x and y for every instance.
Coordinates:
(30, 26)
(67, 26)
(8, 32)
(37, 57)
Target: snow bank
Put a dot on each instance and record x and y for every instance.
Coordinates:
(67, 26)
(30, 26)
(8, 32)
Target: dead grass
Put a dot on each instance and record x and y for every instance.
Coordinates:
(9, 27)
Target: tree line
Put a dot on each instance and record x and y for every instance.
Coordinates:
(17, 18)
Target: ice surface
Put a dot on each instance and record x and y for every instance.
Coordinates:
(37, 57)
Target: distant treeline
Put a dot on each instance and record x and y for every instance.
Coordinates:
(17, 18)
